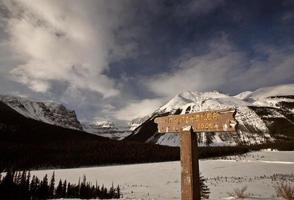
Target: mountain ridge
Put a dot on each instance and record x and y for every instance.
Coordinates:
(45, 111)
(258, 114)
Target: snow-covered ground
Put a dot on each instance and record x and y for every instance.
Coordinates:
(259, 171)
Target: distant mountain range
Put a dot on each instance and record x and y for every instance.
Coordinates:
(57, 114)
(44, 142)
(36, 134)
(107, 129)
(264, 115)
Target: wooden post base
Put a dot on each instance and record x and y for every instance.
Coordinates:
(190, 183)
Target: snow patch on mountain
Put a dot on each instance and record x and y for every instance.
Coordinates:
(248, 118)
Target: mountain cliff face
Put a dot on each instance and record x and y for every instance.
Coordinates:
(263, 115)
(48, 112)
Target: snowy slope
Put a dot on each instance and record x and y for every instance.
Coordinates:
(258, 114)
(133, 124)
(196, 99)
(272, 96)
(48, 112)
(243, 95)
(281, 90)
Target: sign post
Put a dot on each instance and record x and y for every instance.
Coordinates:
(190, 182)
(188, 125)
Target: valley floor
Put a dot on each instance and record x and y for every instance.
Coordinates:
(259, 171)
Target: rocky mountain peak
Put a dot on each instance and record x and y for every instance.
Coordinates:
(46, 111)
(262, 116)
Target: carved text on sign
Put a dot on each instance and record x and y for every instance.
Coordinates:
(211, 121)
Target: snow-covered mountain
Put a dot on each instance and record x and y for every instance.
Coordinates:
(263, 115)
(59, 115)
(280, 90)
(106, 129)
(105, 124)
(48, 112)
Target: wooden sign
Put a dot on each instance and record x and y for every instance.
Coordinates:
(211, 121)
(188, 125)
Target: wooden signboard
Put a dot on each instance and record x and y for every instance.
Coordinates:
(188, 125)
(211, 121)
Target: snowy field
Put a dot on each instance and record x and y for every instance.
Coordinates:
(259, 171)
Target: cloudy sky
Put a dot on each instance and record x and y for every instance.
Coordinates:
(118, 60)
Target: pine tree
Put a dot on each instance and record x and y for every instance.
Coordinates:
(22, 179)
(33, 187)
(111, 190)
(70, 191)
(27, 187)
(64, 189)
(45, 187)
(58, 193)
(52, 186)
(22, 185)
(118, 192)
(204, 188)
(83, 193)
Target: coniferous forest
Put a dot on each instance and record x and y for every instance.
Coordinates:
(21, 186)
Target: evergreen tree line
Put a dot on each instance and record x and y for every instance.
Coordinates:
(20, 185)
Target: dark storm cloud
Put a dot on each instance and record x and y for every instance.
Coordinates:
(227, 68)
(112, 59)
